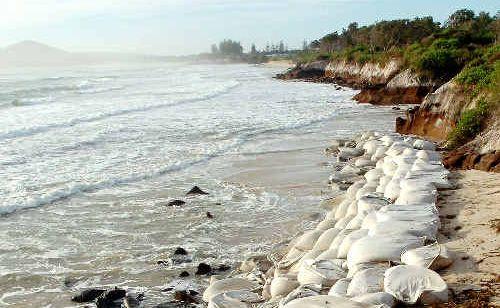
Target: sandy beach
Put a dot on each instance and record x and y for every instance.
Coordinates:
(470, 227)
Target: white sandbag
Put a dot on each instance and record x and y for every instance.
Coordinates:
(406, 227)
(404, 161)
(322, 272)
(292, 257)
(370, 147)
(378, 299)
(353, 270)
(308, 239)
(369, 221)
(411, 284)
(411, 216)
(381, 248)
(352, 210)
(234, 299)
(300, 292)
(311, 255)
(342, 209)
(331, 214)
(380, 164)
(342, 223)
(326, 239)
(350, 170)
(373, 175)
(389, 166)
(364, 162)
(282, 285)
(346, 153)
(366, 281)
(434, 257)
(424, 145)
(409, 152)
(379, 153)
(324, 301)
(387, 140)
(412, 185)
(366, 189)
(228, 284)
(348, 241)
(340, 287)
(340, 237)
(392, 189)
(417, 197)
(439, 179)
(371, 202)
(351, 191)
(329, 254)
(326, 224)
(429, 155)
(357, 221)
(421, 165)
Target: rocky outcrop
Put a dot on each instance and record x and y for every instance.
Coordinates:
(380, 84)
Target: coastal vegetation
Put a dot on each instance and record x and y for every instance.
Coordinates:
(464, 48)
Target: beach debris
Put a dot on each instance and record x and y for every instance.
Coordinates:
(176, 203)
(210, 215)
(88, 295)
(196, 191)
(203, 269)
(111, 298)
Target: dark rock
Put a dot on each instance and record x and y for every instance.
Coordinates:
(180, 251)
(167, 289)
(184, 274)
(338, 88)
(209, 215)
(203, 269)
(174, 304)
(218, 203)
(110, 298)
(223, 268)
(162, 262)
(176, 203)
(396, 108)
(87, 295)
(133, 300)
(196, 191)
(186, 296)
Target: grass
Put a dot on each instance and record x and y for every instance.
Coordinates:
(470, 124)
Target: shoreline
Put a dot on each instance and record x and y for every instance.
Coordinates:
(289, 290)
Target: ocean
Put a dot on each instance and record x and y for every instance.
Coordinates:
(89, 157)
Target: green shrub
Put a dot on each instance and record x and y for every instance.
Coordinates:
(470, 124)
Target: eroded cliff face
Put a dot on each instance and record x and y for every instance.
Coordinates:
(438, 115)
(380, 84)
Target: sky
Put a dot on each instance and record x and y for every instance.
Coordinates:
(176, 27)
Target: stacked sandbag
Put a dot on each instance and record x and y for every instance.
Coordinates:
(386, 224)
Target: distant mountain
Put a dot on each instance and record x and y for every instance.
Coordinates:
(31, 53)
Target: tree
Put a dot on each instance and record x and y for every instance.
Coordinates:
(230, 47)
(281, 48)
(215, 49)
(460, 18)
(253, 50)
(305, 45)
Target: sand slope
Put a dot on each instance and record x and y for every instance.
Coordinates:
(470, 229)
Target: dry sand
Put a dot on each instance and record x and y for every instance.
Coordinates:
(470, 229)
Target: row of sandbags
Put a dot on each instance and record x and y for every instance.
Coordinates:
(377, 247)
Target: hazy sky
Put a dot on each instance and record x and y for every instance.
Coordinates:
(190, 26)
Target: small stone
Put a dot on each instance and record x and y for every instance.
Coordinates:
(203, 269)
(223, 268)
(184, 274)
(87, 295)
(186, 297)
(108, 299)
(196, 191)
(176, 203)
(180, 251)
(458, 228)
(162, 262)
(450, 216)
(209, 215)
